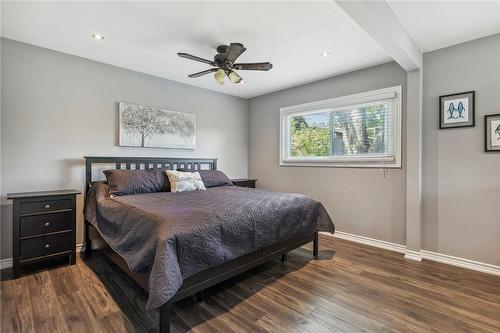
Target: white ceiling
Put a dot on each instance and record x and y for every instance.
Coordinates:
(145, 36)
(437, 24)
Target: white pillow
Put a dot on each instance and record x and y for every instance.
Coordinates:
(184, 181)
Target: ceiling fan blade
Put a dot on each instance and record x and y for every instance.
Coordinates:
(208, 71)
(258, 66)
(234, 51)
(195, 58)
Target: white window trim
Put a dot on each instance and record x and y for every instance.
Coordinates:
(344, 161)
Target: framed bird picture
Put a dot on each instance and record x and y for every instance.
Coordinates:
(492, 133)
(457, 110)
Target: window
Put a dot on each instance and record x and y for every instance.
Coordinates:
(362, 130)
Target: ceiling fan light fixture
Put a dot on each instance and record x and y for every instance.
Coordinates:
(225, 64)
(235, 78)
(219, 76)
(98, 36)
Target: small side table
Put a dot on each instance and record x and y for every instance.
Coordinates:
(44, 226)
(244, 182)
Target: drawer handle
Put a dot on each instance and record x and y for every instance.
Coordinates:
(47, 224)
(47, 246)
(47, 206)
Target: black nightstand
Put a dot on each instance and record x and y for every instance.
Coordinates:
(244, 182)
(43, 227)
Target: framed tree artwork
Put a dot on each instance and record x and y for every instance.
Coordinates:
(457, 110)
(492, 133)
(151, 127)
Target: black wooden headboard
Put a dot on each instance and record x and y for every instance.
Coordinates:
(147, 163)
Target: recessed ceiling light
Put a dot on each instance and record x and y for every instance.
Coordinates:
(325, 54)
(98, 36)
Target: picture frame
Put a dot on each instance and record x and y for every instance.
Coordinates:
(492, 133)
(142, 126)
(457, 110)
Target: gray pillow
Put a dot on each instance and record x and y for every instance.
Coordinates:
(211, 178)
(124, 182)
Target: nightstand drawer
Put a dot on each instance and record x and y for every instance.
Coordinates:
(44, 206)
(45, 224)
(45, 245)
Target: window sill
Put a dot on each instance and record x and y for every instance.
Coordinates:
(358, 165)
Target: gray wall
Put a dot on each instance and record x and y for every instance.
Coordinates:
(361, 201)
(461, 188)
(57, 108)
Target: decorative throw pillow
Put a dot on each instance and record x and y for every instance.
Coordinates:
(184, 181)
(124, 182)
(212, 178)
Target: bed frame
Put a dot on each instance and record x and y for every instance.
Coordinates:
(197, 283)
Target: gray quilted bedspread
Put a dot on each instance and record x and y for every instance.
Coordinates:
(171, 236)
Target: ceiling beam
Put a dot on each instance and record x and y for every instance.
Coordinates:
(380, 22)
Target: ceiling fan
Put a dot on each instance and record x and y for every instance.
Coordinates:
(224, 63)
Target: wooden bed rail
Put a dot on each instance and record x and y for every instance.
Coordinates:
(200, 281)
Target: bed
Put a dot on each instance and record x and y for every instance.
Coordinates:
(175, 245)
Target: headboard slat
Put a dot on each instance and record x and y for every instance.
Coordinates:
(149, 162)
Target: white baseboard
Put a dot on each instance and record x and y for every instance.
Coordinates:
(422, 254)
(370, 241)
(413, 255)
(7, 262)
(460, 262)
(408, 254)
(80, 248)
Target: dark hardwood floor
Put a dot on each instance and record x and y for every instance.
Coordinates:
(350, 288)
